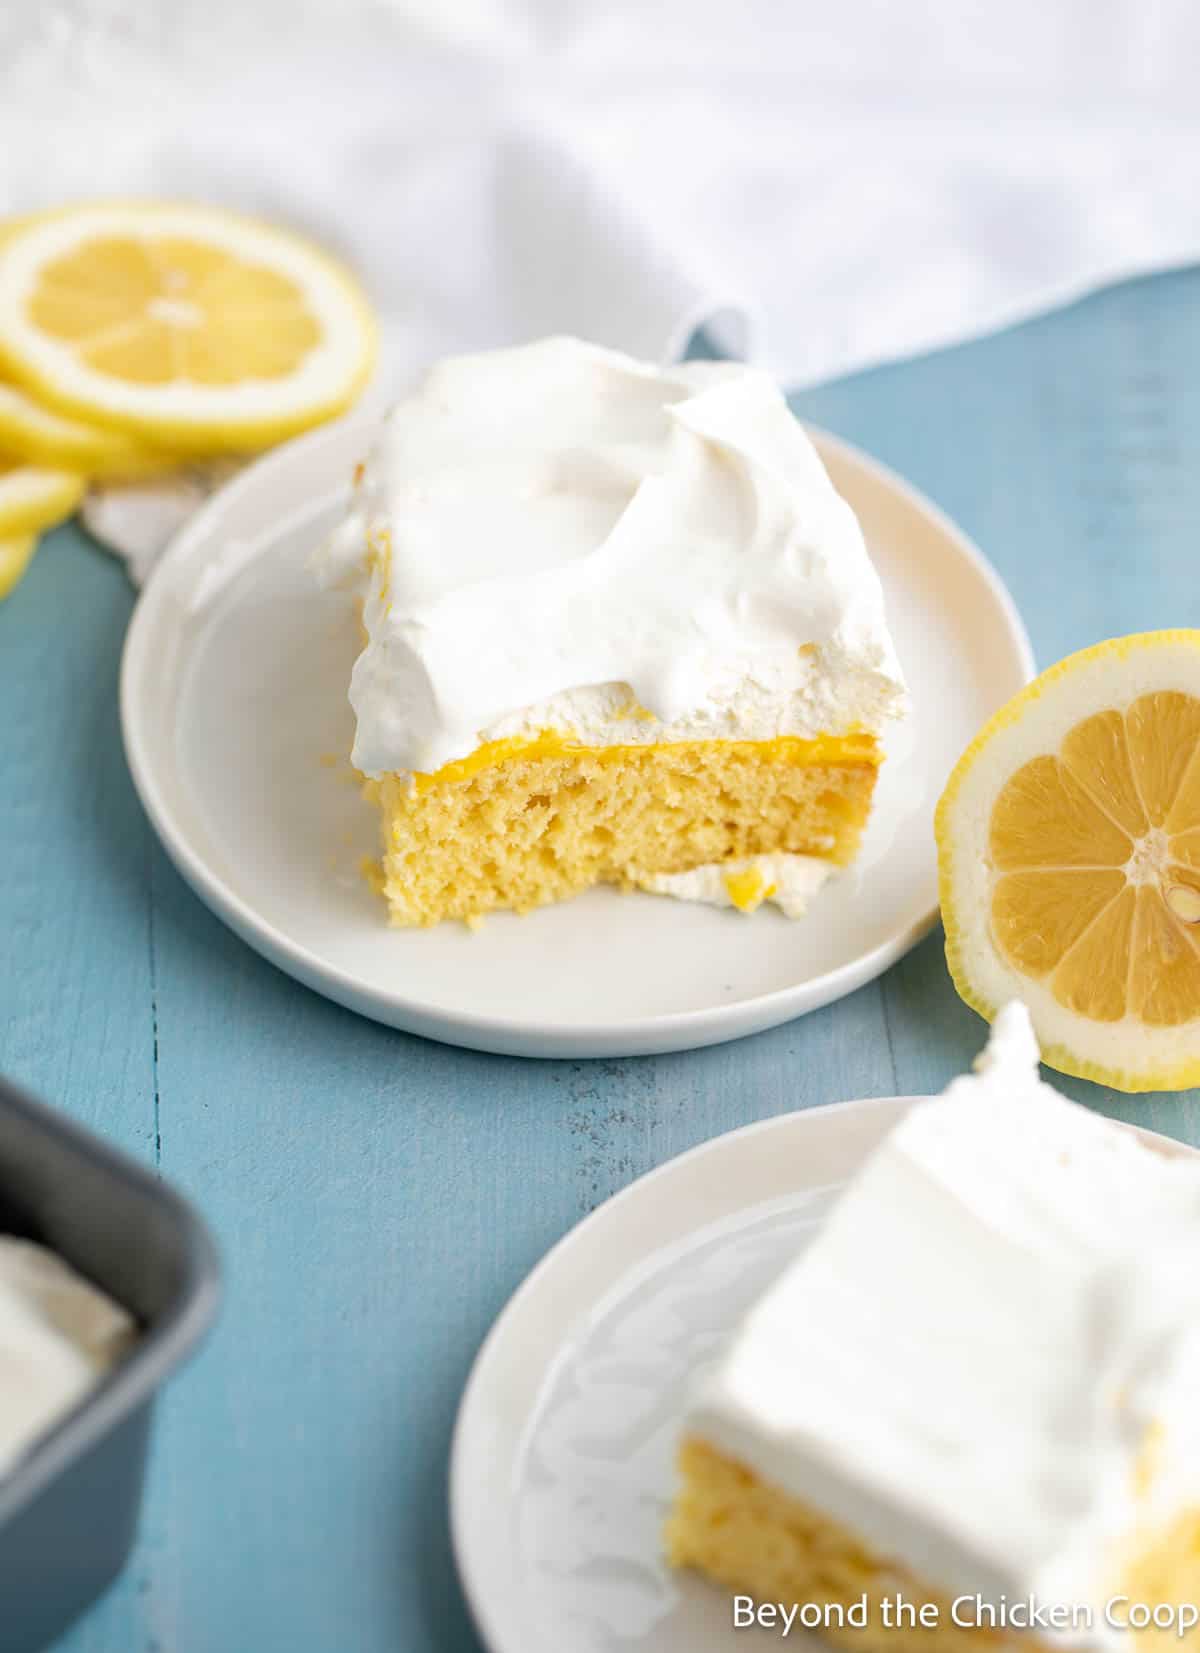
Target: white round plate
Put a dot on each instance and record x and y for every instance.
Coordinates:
(562, 1467)
(237, 731)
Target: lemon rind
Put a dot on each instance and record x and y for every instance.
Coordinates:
(42, 503)
(42, 436)
(16, 554)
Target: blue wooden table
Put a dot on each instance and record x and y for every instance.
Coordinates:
(377, 1197)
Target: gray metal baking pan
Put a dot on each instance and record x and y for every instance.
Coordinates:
(69, 1506)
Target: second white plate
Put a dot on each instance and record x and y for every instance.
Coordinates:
(563, 1462)
(237, 730)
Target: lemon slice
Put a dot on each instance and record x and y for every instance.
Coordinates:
(16, 553)
(35, 496)
(1069, 862)
(185, 326)
(31, 432)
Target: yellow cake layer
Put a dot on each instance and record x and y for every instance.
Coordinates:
(521, 823)
(1166, 1568)
(756, 1540)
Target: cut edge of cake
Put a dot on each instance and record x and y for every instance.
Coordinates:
(545, 821)
(618, 627)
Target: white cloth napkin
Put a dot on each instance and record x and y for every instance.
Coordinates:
(824, 187)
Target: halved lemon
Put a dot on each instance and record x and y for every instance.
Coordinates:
(185, 326)
(16, 553)
(1069, 862)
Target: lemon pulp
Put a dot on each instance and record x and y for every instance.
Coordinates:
(1096, 856)
(173, 308)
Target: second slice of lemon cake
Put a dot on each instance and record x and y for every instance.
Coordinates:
(976, 1390)
(619, 628)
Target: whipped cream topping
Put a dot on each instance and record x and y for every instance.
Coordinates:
(986, 1364)
(58, 1336)
(558, 536)
(788, 882)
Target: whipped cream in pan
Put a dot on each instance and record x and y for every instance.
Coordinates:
(986, 1365)
(58, 1336)
(558, 536)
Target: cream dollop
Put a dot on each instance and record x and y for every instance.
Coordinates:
(986, 1364)
(560, 536)
(787, 881)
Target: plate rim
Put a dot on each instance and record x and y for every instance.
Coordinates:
(460, 1472)
(657, 1033)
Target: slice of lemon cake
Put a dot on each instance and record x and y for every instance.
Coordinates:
(619, 628)
(976, 1390)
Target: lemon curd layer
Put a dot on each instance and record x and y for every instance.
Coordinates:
(853, 748)
(523, 822)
